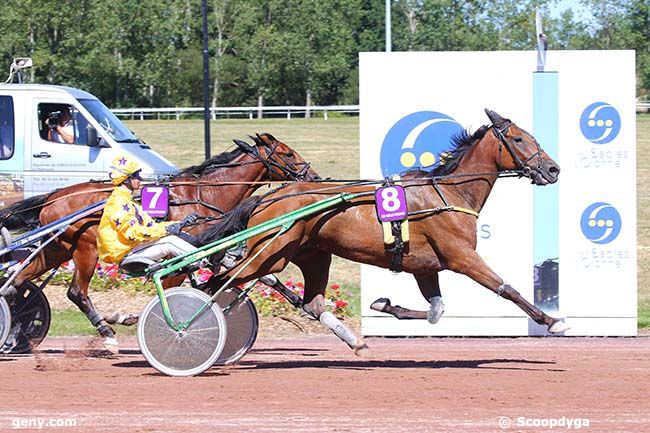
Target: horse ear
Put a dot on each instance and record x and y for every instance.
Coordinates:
(245, 147)
(256, 139)
(494, 117)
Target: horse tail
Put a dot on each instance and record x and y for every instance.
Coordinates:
(23, 214)
(232, 222)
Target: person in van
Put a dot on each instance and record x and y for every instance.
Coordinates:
(126, 228)
(60, 126)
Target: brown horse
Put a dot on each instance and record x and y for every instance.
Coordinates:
(443, 209)
(209, 189)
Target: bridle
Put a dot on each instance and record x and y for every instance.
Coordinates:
(523, 167)
(276, 161)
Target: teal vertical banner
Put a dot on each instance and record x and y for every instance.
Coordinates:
(546, 198)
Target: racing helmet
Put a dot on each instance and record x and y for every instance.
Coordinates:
(122, 168)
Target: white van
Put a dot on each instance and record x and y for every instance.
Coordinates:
(34, 159)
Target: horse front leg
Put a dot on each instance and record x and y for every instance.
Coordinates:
(472, 265)
(314, 265)
(430, 288)
(85, 260)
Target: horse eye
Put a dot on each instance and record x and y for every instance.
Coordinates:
(518, 139)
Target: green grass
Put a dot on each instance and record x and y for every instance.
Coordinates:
(332, 146)
(73, 322)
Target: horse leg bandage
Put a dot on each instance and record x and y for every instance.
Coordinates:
(436, 310)
(339, 329)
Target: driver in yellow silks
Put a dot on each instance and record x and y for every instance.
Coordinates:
(126, 228)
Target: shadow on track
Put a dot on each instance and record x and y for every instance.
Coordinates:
(363, 365)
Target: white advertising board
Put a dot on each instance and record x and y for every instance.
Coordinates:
(594, 237)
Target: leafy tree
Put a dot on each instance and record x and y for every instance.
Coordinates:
(276, 52)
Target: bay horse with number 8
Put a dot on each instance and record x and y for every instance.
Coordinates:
(443, 209)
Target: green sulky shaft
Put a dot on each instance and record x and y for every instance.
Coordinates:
(285, 222)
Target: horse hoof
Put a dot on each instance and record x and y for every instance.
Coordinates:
(130, 320)
(363, 351)
(436, 310)
(122, 319)
(111, 345)
(558, 327)
(380, 304)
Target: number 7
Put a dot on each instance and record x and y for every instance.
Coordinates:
(157, 191)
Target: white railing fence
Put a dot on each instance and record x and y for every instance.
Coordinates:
(287, 111)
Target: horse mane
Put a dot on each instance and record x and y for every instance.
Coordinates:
(23, 214)
(216, 161)
(233, 221)
(211, 164)
(462, 142)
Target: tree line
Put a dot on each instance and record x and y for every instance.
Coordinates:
(148, 53)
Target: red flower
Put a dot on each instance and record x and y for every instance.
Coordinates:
(340, 304)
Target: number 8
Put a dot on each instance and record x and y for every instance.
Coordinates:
(390, 200)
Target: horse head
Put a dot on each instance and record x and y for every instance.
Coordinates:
(282, 162)
(524, 155)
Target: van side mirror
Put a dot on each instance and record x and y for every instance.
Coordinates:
(91, 136)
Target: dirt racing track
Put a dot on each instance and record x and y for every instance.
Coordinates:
(315, 384)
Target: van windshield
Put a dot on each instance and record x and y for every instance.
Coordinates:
(109, 121)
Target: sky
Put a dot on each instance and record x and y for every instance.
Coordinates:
(579, 11)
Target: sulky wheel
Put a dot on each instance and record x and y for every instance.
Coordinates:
(5, 320)
(31, 317)
(242, 322)
(188, 352)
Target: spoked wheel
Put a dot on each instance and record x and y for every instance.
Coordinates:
(5, 320)
(188, 352)
(242, 322)
(31, 316)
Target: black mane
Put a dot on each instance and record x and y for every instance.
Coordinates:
(212, 163)
(462, 142)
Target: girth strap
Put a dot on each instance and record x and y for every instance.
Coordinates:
(399, 247)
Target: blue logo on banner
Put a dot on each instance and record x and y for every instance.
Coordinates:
(600, 223)
(417, 141)
(600, 123)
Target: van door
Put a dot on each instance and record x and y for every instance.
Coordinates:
(60, 152)
(11, 154)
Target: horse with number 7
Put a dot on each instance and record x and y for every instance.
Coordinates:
(443, 208)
